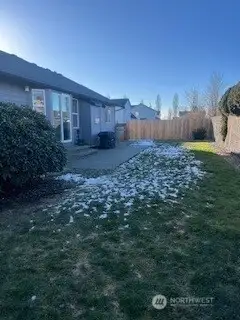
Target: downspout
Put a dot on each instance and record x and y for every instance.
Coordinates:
(101, 118)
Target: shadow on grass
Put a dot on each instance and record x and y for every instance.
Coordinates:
(186, 249)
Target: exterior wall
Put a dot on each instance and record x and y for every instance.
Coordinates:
(144, 112)
(119, 115)
(102, 125)
(122, 116)
(127, 112)
(14, 93)
(108, 126)
(85, 121)
(95, 127)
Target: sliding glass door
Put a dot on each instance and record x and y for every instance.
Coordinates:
(61, 104)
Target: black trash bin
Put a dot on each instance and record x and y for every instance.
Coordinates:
(107, 140)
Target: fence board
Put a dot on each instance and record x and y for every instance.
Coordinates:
(176, 129)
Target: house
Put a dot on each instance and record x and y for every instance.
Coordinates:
(143, 112)
(122, 110)
(74, 110)
(184, 113)
(192, 114)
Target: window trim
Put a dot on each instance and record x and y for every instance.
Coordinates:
(77, 114)
(44, 98)
(108, 119)
(62, 95)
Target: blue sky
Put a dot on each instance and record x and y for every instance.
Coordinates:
(133, 47)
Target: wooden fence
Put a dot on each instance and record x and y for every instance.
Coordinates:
(176, 129)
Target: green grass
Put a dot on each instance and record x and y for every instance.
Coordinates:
(93, 270)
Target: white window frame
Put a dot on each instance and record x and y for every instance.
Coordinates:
(44, 98)
(76, 114)
(62, 95)
(108, 119)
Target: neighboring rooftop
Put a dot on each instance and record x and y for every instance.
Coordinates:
(12, 65)
(183, 113)
(120, 102)
(142, 105)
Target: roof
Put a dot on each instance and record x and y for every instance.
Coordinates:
(143, 105)
(183, 113)
(120, 102)
(12, 65)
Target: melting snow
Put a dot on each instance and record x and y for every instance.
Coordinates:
(71, 219)
(71, 177)
(103, 216)
(162, 171)
(143, 143)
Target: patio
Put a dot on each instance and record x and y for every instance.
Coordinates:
(103, 159)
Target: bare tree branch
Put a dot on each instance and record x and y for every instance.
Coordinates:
(158, 103)
(213, 93)
(175, 105)
(192, 97)
(170, 113)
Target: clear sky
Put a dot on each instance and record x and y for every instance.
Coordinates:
(135, 47)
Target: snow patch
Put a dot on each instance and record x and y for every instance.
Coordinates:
(161, 171)
(71, 219)
(143, 143)
(72, 177)
(103, 216)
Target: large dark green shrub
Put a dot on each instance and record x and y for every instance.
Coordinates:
(224, 126)
(28, 146)
(223, 104)
(224, 109)
(233, 100)
(199, 134)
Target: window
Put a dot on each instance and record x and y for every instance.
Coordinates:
(75, 113)
(107, 115)
(66, 117)
(57, 118)
(62, 121)
(38, 101)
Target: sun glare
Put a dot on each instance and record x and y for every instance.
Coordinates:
(5, 43)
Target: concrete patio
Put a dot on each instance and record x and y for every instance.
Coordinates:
(104, 159)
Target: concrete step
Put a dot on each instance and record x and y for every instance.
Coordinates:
(82, 153)
(75, 149)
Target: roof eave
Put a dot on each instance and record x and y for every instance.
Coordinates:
(44, 85)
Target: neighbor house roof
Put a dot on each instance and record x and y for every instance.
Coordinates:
(183, 113)
(11, 65)
(143, 105)
(120, 102)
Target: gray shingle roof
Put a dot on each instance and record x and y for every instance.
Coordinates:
(142, 105)
(15, 66)
(120, 102)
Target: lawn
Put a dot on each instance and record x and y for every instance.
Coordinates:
(167, 222)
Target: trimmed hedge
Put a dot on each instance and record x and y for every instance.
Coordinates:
(233, 100)
(229, 104)
(28, 146)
